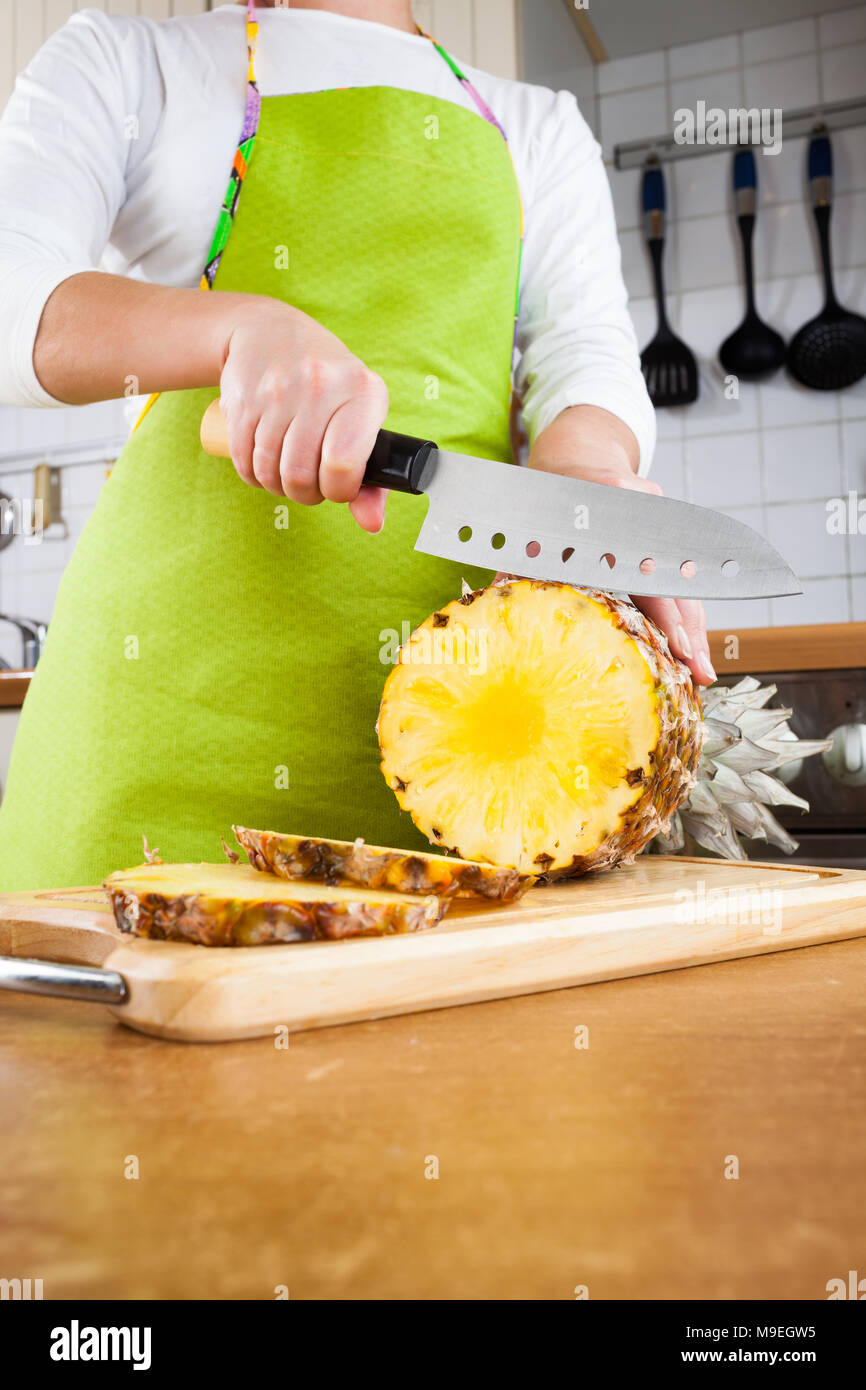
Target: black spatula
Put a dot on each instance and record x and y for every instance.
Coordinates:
(669, 368)
(829, 352)
(754, 350)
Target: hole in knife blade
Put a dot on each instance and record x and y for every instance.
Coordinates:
(567, 553)
(730, 569)
(648, 566)
(533, 548)
(608, 559)
(687, 569)
(465, 533)
(497, 541)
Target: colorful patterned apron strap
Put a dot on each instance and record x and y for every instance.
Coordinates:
(242, 156)
(250, 126)
(488, 115)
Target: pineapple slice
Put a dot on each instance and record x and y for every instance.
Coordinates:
(541, 727)
(372, 866)
(235, 905)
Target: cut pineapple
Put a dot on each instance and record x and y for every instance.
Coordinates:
(235, 905)
(552, 731)
(372, 866)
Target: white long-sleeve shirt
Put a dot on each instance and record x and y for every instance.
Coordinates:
(116, 147)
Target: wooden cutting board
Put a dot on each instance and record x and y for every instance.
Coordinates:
(657, 914)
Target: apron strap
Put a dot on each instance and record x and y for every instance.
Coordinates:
(474, 93)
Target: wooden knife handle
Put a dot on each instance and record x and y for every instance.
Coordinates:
(214, 432)
(397, 461)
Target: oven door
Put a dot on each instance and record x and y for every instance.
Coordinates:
(832, 833)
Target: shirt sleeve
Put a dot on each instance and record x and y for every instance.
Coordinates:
(575, 338)
(68, 137)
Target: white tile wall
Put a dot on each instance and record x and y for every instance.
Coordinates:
(775, 455)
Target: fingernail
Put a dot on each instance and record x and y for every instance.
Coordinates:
(683, 642)
(705, 665)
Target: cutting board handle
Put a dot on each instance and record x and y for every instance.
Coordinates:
(87, 983)
(397, 461)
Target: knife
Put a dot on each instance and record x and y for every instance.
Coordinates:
(543, 526)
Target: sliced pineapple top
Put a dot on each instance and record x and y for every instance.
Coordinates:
(236, 905)
(376, 866)
(240, 883)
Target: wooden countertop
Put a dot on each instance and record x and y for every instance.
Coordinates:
(823, 647)
(13, 687)
(557, 1166)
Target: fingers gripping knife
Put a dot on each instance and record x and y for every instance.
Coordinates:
(544, 526)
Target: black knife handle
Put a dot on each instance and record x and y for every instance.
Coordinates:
(397, 461)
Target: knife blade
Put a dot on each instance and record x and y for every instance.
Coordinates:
(546, 526)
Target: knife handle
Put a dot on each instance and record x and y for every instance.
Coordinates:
(397, 461)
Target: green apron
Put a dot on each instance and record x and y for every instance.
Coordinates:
(217, 654)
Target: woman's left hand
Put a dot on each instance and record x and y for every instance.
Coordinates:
(588, 442)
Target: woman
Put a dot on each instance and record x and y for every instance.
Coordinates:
(214, 653)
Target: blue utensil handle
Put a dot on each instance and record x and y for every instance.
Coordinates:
(820, 157)
(820, 171)
(745, 183)
(653, 190)
(745, 173)
(653, 200)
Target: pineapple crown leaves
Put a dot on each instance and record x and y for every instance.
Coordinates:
(744, 741)
(151, 855)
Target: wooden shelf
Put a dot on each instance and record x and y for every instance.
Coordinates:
(823, 647)
(13, 687)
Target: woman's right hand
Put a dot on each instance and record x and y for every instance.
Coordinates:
(302, 411)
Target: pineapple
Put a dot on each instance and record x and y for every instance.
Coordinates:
(743, 743)
(540, 727)
(235, 905)
(354, 862)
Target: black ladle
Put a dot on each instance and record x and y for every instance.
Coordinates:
(829, 352)
(754, 350)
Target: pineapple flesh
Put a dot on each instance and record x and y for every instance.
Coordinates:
(540, 727)
(235, 905)
(349, 862)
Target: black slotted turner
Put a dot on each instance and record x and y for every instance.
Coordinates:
(829, 352)
(669, 367)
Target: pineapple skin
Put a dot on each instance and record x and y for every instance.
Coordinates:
(675, 757)
(341, 862)
(208, 921)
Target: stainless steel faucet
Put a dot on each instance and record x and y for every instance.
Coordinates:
(32, 639)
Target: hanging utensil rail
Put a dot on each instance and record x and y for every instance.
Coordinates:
(832, 115)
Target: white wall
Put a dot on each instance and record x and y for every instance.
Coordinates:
(775, 456)
(25, 24)
(481, 32)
